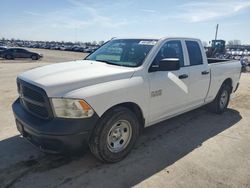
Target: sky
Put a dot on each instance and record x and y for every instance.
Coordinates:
(96, 20)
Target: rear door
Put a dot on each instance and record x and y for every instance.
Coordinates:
(168, 89)
(199, 73)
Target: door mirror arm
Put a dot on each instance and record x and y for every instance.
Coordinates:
(166, 64)
(153, 68)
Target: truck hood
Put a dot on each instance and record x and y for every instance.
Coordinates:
(61, 78)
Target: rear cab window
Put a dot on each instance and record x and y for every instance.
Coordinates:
(194, 53)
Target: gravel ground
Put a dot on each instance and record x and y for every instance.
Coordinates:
(196, 149)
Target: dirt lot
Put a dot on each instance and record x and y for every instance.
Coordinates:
(196, 149)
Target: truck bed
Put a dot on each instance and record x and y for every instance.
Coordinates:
(221, 69)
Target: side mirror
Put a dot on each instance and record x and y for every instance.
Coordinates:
(167, 64)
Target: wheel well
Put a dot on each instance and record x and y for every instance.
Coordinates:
(135, 109)
(229, 82)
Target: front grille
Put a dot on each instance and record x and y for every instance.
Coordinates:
(39, 110)
(33, 99)
(31, 94)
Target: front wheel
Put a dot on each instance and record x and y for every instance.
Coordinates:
(9, 57)
(115, 135)
(34, 57)
(220, 103)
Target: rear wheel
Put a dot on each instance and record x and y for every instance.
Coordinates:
(220, 103)
(9, 56)
(114, 135)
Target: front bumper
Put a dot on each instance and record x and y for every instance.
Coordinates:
(55, 135)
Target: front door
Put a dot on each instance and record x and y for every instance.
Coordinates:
(169, 90)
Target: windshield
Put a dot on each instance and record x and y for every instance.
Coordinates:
(123, 52)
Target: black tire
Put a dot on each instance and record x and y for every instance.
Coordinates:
(99, 140)
(216, 106)
(9, 57)
(34, 57)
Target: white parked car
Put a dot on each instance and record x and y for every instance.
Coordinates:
(246, 52)
(228, 51)
(239, 52)
(105, 100)
(233, 53)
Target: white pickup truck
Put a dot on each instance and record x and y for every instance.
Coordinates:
(104, 100)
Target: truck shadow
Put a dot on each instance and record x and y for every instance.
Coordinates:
(158, 147)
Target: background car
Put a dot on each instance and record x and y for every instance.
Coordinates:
(233, 52)
(245, 52)
(13, 53)
(2, 48)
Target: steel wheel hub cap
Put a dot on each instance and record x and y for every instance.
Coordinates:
(119, 136)
(223, 99)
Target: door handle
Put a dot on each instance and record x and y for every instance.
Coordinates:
(204, 72)
(183, 76)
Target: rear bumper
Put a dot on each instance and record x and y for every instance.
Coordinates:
(56, 135)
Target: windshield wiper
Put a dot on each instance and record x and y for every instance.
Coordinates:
(108, 62)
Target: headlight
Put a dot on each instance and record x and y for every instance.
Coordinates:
(71, 108)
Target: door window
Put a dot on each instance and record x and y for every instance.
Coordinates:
(21, 51)
(194, 52)
(171, 49)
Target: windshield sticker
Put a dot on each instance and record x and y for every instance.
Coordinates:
(146, 42)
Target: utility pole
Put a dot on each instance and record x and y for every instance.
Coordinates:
(216, 32)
